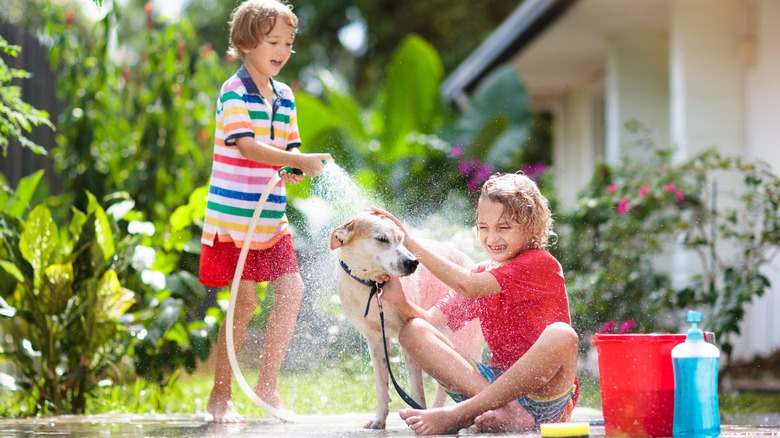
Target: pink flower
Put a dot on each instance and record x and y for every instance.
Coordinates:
(457, 151)
(608, 327)
(680, 196)
(627, 326)
(671, 188)
(644, 191)
(622, 207)
(611, 188)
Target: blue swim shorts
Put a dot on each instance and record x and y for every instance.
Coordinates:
(555, 409)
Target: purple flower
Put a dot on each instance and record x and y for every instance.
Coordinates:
(457, 151)
(534, 170)
(464, 168)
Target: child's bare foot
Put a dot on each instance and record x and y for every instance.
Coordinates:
(269, 394)
(223, 410)
(510, 418)
(440, 421)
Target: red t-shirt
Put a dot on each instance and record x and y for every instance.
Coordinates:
(533, 296)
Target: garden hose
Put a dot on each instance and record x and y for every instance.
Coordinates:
(282, 414)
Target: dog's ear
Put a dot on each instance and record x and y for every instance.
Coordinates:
(339, 236)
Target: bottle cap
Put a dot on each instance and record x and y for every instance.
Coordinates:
(694, 333)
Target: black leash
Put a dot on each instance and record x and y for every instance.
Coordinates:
(376, 290)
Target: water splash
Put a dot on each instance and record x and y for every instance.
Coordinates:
(342, 194)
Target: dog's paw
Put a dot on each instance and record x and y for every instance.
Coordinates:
(375, 424)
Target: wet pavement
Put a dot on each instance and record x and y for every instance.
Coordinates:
(347, 425)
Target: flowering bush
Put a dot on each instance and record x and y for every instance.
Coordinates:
(618, 246)
(611, 327)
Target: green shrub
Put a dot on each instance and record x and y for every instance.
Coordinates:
(61, 313)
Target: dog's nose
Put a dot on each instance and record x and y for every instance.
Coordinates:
(411, 264)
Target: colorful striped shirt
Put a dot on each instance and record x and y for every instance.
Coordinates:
(237, 182)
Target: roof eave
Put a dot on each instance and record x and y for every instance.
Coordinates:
(526, 22)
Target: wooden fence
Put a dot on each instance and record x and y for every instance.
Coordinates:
(38, 91)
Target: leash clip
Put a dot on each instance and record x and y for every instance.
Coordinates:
(379, 297)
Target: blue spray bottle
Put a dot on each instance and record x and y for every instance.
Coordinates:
(695, 361)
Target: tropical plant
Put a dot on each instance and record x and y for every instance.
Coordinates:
(61, 313)
(408, 143)
(139, 122)
(17, 117)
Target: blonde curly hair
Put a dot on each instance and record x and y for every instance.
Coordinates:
(524, 204)
(251, 21)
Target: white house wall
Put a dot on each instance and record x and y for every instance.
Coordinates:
(637, 88)
(574, 151)
(719, 99)
(701, 73)
(706, 77)
(761, 327)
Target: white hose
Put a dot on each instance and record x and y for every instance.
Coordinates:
(282, 414)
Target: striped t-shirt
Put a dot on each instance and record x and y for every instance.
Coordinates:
(237, 182)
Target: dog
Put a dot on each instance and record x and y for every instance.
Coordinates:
(370, 245)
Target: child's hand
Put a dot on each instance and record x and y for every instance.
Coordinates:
(289, 177)
(393, 292)
(314, 164)
(386, 214)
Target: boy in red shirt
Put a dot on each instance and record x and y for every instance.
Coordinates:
(519, 295)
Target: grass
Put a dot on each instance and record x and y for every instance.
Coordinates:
(329, 390)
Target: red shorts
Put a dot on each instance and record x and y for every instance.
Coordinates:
(218, 262)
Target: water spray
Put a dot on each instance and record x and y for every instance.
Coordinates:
(282, 414)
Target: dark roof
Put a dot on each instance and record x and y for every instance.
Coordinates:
(527, 21)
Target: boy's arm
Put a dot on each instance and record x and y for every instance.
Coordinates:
(461, 280)
(310, 164)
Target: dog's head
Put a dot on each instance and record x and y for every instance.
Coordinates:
(372, 245)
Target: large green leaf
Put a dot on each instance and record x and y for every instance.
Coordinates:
(352, 119)
(500, 96)
(24, 194)
(413, 101)
(314, 117)
(103, 232)
(113, 299)
(39, 240)
(58, 286)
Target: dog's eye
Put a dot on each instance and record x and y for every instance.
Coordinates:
(382, 239)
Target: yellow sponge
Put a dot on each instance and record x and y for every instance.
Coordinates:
(568, 430)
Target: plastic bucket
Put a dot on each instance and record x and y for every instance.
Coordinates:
(637, 383)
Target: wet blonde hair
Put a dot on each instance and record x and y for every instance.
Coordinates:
(251, 21)
(523, 203)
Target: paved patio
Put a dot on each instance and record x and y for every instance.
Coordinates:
(347, 425)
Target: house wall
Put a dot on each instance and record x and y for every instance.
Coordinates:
(704, 74)
(637, 88)
(723, 94)
(575, 151)
(706, 77)
(761, 326)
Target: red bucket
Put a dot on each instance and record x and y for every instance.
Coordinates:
(637, 383)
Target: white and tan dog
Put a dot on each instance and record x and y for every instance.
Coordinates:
(371, 246)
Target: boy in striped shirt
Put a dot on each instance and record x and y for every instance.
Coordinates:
(256, 135)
